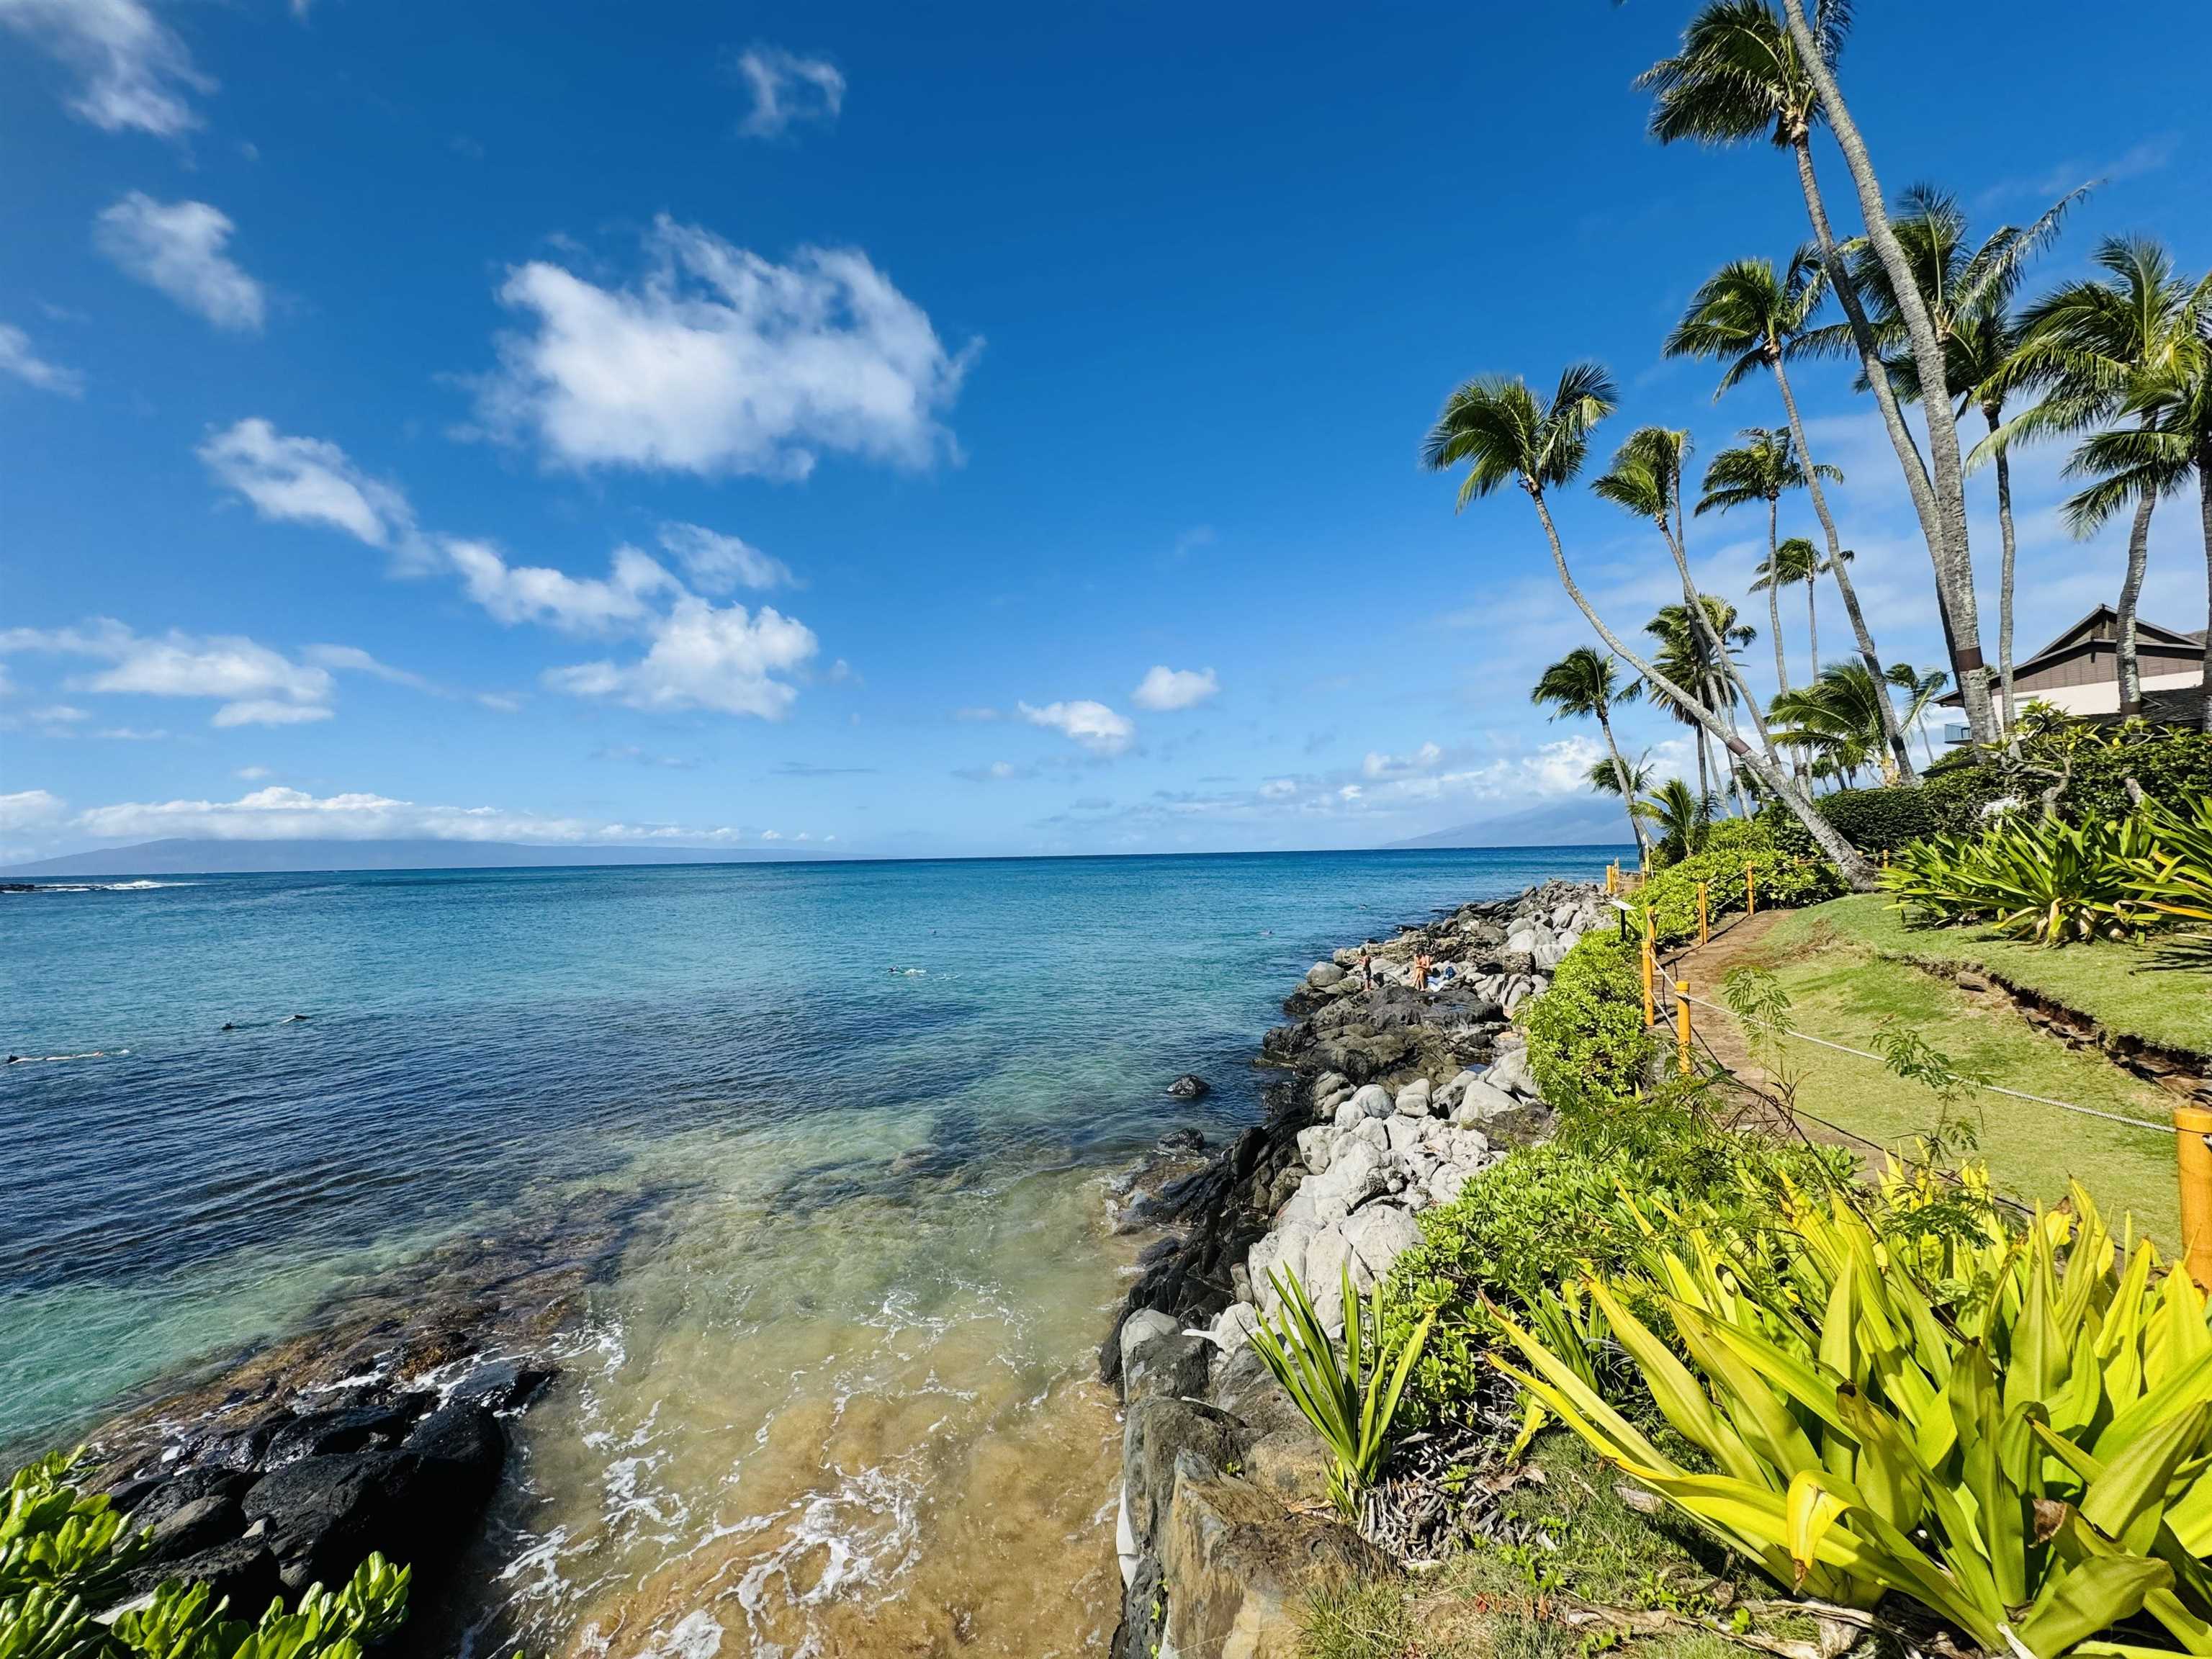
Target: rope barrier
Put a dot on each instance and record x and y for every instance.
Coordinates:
(1992, 1088)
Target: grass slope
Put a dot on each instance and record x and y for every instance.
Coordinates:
(2126, 988)
(1832, 961)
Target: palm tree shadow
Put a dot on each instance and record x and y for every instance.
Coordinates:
(2190, 953)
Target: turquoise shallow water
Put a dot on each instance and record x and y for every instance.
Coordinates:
(879, 1098)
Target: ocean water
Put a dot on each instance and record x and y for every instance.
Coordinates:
(836, 1399)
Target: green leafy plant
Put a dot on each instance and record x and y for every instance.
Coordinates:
(1350, 1397)
(2041, 879)
(2172, 871)
(2026, 1461)
(63, 1559)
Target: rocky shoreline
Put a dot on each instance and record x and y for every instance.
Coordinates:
(382, 1427)
(1397, 1095)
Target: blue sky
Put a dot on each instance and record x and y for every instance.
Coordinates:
(721, 425)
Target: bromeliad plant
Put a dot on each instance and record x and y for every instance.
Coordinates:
(1351, 1398)
(2171, 873)
(2023, 1451)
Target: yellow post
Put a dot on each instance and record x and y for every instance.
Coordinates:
(1884, 858)
(1612, 877)
(1704, 918)
(1750, 890)
(2192, 1125)
(1682, 1023)
(1650, 1008)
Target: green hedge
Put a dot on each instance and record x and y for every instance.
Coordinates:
(1587, 1044)
(2174, 768)
(1782, 877)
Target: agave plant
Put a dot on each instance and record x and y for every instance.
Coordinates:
(1345, 1396)
(2027, 1463)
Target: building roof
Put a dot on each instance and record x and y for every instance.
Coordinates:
(2101, 627)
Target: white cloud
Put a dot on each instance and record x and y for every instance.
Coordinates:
(1093, 725)
(703, 656)
(352, 660)
(256, 686)
(133, 71)
(19, 360)
(719, 562)
(520, 594)
(307, 480)
(252, 774)
(29, 809)
(1426, 758)
(1165, 688)
(700, 655)
(719, 361)
(281, 813)
(786, 89)
(178, 247)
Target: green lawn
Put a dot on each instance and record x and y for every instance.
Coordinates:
(1840, 965)
(2122, 987)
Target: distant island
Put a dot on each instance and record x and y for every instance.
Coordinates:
(180, 856)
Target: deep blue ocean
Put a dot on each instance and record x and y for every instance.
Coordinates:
(205, 1170)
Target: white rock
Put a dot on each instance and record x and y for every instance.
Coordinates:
(1414, 1099)
(1469, 1148)
(1509, 1074)
(1378, 1236)
(1373, 1099)
(1313, 1146)
(1331, 1083)
(1479, 1103)
(1405, 1132)
(1147, 1325)
(1355, 1174)
(1448, 1183)
(1323, 975)
(1326, 1257)
(1447, 1096)
(1374, 1132)
(1348, 1116)
(1233, 1327)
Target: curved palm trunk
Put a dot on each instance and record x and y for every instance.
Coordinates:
(2204, 513)
(1856, 871)
(1995, 416)
(1948, 561)
(1704, 767)
(1947, 468)
(1774, 589)
(2130, 671)
(1813, 621)
(1677, 540)
(1891, 735)
(1627, 795)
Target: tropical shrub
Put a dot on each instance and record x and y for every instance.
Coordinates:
(2024, 1453)
(2036, 877)
(1780, 880)
(2172, 873)
(1587, 1044)
(1347, 1398)
(63, 1558)
(1546, 1213)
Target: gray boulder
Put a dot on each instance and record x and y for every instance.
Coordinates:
(1374, 1100)
(1323, 975)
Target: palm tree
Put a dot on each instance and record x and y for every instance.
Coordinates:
(1921, 687)
(1636, 773)
(1646, 480)
(2105, 348)
(1683, 818)
(1759, 470)
(1686, 658)
(1750, 318)
(1793, 561)
(2168, 450)
(1969, 294)
(1837, 719)
(1743, 73)
(1502, 434)
(1583, 684)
